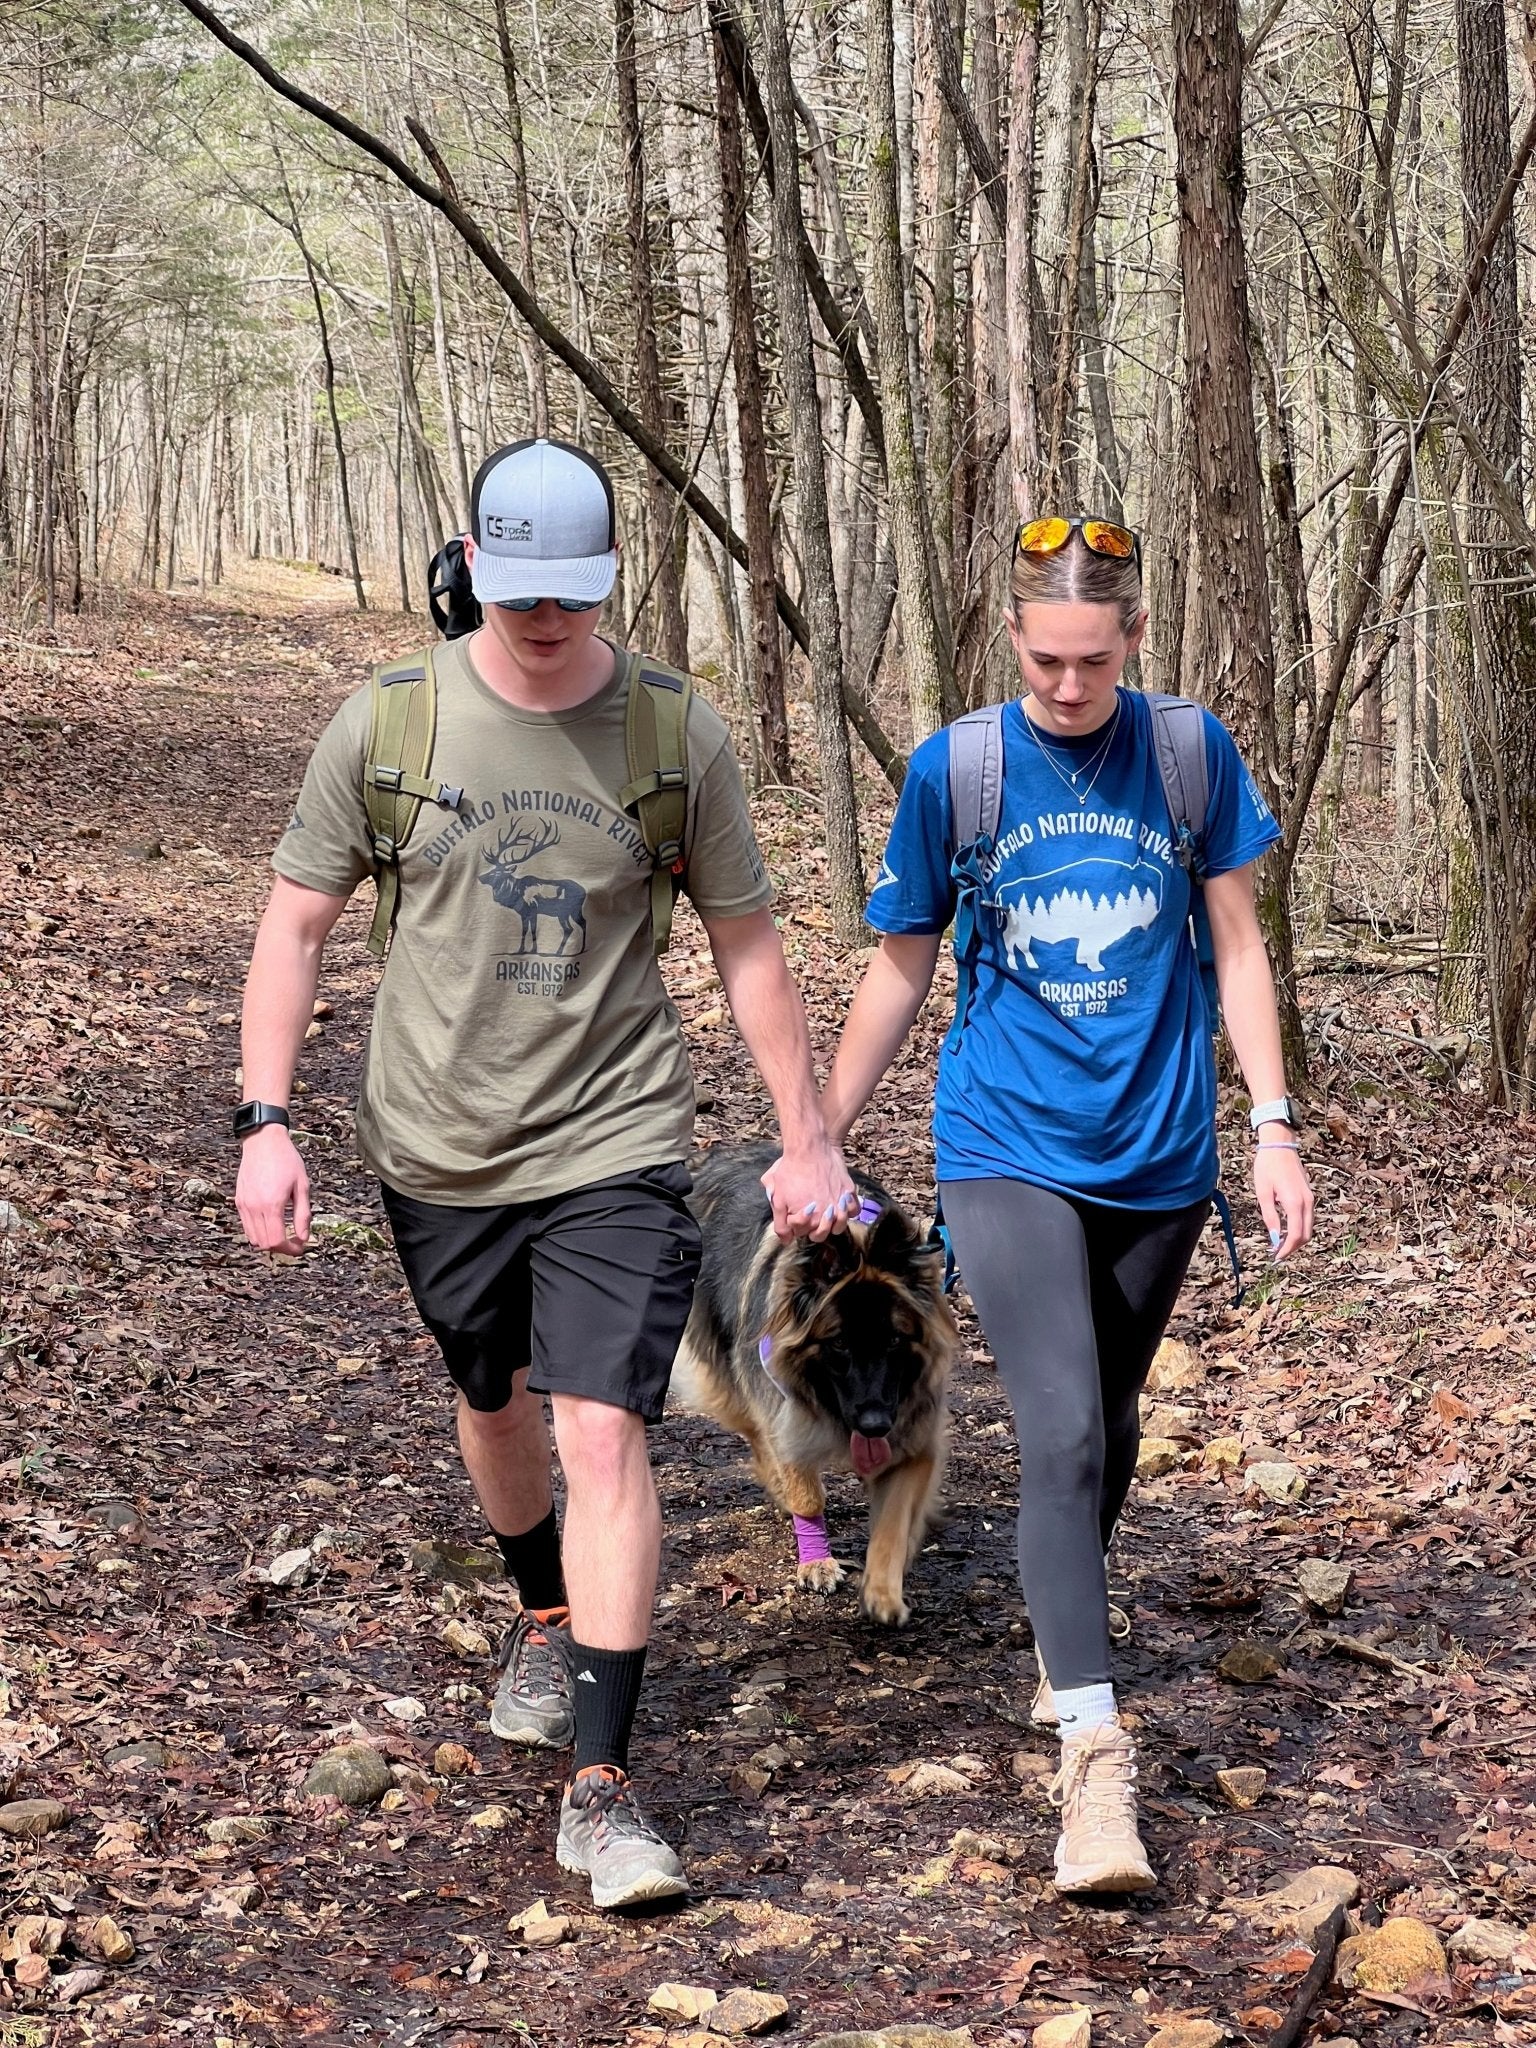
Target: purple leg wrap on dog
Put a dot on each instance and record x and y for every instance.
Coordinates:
(811, 1538)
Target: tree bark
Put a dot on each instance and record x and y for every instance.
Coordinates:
(762, 568)
(328, 371)
(1234, 635)
(798, 370)
(655, 410)
(538, 375)
(1019, 259)
(1499, 725)
(929, 678)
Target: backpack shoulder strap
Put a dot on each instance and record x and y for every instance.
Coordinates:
(976, 774)
(1178, 738)
(397, 776)
(1178, 735)
(656, 795)
(975, 805)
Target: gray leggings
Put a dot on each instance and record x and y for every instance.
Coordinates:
(1074, 1298)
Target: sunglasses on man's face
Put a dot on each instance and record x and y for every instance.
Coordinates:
(1100, 537)
(531, 604)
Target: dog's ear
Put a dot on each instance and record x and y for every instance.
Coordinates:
(898, 1246)
(892, 1239)
(813, 1268)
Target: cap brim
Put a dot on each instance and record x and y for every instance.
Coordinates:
(587, 577)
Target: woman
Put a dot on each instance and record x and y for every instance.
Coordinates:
(1074, 1119)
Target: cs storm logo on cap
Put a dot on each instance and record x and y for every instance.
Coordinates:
(542, 518)
(519, 532)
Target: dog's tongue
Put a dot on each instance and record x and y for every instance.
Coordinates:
(869, 1453)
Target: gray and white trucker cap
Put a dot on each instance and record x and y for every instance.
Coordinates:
(541, 514)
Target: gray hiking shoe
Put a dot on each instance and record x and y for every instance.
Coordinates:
(535, 1699)
(604, 1836)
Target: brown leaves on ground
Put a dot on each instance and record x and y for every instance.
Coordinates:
(177, 1413)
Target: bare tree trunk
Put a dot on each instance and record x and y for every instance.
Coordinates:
(328, 367)
(538, 373)
(845, 876)
(444, 363)
(1082, 61)
(929, 678)
(436, 512)
(1234, 632)
(658, 416)
(1405, 766)
(1499, 725)
(762, 568)
(1023, 415)
(1108, 493)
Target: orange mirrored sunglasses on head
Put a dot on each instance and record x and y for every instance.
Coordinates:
(1100, 537)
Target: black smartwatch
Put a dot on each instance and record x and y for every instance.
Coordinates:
(250, 1116)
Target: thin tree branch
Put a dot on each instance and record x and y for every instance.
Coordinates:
(445, 200)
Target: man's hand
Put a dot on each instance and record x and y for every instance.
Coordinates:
(272, 1184)
(1284, 1196)
(811, 1192)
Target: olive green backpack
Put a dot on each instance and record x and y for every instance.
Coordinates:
(397, 778)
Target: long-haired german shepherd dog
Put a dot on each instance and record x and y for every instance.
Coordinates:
(825, 1357)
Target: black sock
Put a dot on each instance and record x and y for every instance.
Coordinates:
(607, 1692)
(533, 1559)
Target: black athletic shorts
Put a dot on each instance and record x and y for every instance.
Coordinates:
(590, 1289)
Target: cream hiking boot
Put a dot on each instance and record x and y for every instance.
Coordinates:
(1099, 1849)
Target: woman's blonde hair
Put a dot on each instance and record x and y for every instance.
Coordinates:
(1074, 574)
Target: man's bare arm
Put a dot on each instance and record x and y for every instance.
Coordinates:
(272, 1191)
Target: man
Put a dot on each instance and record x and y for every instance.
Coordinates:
(527, 1105)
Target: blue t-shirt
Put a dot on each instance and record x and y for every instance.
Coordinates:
(1085, 1064)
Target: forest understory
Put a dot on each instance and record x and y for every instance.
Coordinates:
(176, 1411)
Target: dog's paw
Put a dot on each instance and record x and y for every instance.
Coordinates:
(820, 1575)
(885, 1604)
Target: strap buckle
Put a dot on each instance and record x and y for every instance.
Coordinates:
(449, 796)
(385, 848)
(670, 854)
(388, 779)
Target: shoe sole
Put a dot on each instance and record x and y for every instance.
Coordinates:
(638, 1892)
(1106, 1877)
(530, 1736)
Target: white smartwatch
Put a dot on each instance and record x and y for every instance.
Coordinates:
(1280, 1111)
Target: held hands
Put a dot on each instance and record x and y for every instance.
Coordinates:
(272, 1182)
(810, 1190)
(1284, 1196)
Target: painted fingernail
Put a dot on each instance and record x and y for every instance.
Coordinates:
(1276, 1238)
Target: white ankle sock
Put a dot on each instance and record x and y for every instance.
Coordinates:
(1084, 1707)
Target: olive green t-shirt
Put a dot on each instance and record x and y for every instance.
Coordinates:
(522, 1041)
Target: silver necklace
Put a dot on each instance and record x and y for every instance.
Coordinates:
(1095, 761)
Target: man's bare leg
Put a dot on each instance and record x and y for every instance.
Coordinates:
(506, 1454)
(612, 1545)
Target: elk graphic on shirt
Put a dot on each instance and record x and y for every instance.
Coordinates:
(540, 903)
(1091, 916)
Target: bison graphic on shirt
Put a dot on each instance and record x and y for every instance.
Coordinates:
(1101, 903)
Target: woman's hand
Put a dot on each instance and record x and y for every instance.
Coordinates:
(1284, 1196)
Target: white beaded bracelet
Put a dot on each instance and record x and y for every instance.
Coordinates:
(1277, 1145)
